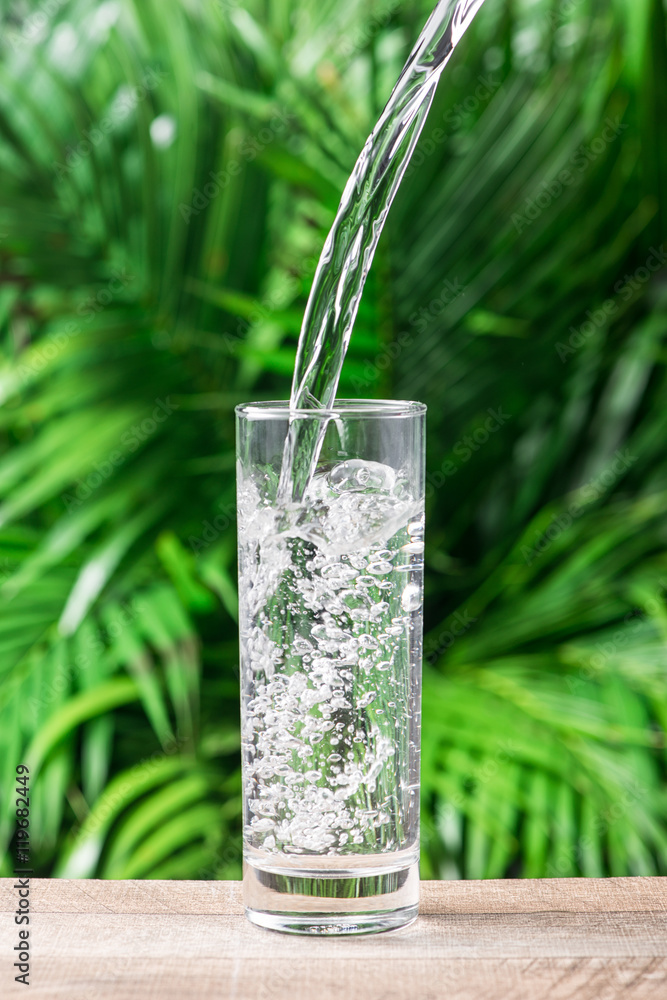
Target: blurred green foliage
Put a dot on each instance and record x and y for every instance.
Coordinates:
(169, 172)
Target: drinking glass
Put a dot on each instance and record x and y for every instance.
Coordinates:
(330, 594)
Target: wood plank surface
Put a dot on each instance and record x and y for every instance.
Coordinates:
(593, 939)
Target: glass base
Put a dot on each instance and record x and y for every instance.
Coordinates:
(350, 895)
(342, 923)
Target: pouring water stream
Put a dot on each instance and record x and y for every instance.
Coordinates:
(350, 246)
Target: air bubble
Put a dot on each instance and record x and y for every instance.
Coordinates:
(380, 568)
(356, 475)
(262, 825)
(413, 548)
(411, 599)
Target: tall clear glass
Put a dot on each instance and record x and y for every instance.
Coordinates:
(330, 595)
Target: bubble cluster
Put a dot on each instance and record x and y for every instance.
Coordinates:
(330, 595)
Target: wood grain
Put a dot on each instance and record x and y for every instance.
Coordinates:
(593, 939)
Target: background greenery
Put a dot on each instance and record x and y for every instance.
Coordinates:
(138, 306)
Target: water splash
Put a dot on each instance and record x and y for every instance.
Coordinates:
(350, 246)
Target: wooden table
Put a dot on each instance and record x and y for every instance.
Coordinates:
(590, 939)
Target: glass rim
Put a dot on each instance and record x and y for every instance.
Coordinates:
(358, 408)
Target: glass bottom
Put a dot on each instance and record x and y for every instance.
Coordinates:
(350, 895)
